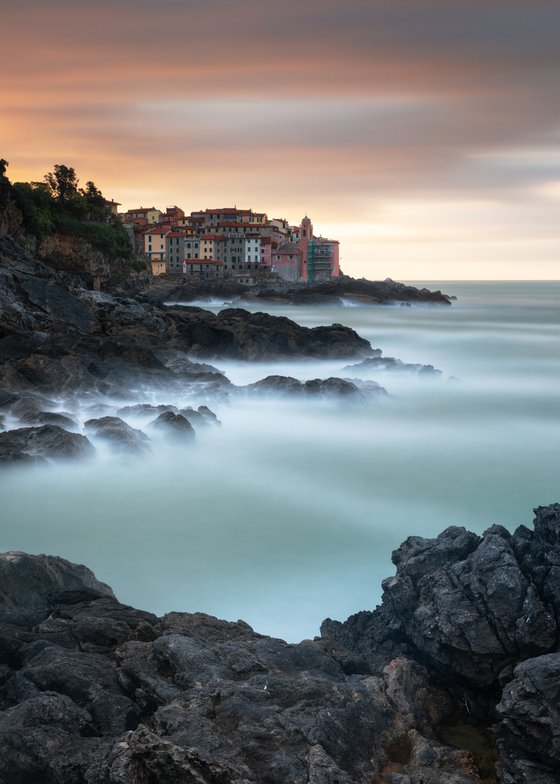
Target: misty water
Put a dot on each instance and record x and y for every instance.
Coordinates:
(289, 511)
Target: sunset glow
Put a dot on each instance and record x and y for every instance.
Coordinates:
(424, 135)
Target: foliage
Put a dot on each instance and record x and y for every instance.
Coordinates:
(63, 183)
(35, 203)
(58, 205)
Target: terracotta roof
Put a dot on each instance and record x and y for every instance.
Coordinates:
(158, 230)
(231, 210)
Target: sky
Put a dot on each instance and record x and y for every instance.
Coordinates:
(423, 134)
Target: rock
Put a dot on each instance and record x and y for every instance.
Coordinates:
(48, 441)
(337, 387)
(393, 365)
(97, 692)
(34, 585)
(530, 723)
(174, 426)
(467, 604)
(118, 434)
(203, 416)
(145, 409)
(175, 288)
(274, 386)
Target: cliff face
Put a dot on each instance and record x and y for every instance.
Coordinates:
(67, 252)
(71, 254)
(96, 692)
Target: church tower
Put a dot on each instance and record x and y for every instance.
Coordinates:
(305, 237)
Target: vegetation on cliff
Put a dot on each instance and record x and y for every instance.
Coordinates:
(59, 205)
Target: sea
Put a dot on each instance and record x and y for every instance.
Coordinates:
(289, 511)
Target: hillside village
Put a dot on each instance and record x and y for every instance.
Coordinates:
(231, 243)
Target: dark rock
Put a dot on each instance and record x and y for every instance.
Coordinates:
(530, 723)
(175, 288)
(174, 426)
(118, 434)
(394, 365)
(145, 409)
(274, 386)
(34, 585)
(97, 692)
(329, 387)
(48, 441)
(203, 416)
(55, 418)
(337, 387)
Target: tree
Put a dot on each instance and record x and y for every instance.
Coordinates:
(63, 182)
(3, 166)
(95, 202)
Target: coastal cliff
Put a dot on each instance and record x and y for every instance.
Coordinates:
(456, 671)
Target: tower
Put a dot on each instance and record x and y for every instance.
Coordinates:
(305, 238)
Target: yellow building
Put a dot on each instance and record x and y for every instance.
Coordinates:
(210, 246)
(154, 243)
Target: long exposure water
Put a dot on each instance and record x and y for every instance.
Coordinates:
(289, 511)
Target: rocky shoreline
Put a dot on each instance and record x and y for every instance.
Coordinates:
(178, 288)
(68, 353)
(454, 679)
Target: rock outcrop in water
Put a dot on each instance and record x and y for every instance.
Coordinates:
(58, 337)
(466, 639)
(177, 288)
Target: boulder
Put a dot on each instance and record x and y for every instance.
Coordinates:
(202, 417)
(120, 436)
(48, 441)
(174, 426)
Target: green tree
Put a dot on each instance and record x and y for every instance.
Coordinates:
(95, 201)
(63, 182)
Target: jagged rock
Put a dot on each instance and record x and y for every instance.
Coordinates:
(96, 692)
(175, 426)
(118, 434)
(48, 441)
(471, 606)
(530, 723)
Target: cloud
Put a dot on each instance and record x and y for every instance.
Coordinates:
(344, 106)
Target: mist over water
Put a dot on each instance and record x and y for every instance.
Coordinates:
(289, 511)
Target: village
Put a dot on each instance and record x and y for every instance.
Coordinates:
(231, 243)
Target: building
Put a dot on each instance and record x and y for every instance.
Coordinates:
(150, 214)
(155, 244)
(175, 250)
(245, 242)
(207, 269)
(286, 261)
(319, 256)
